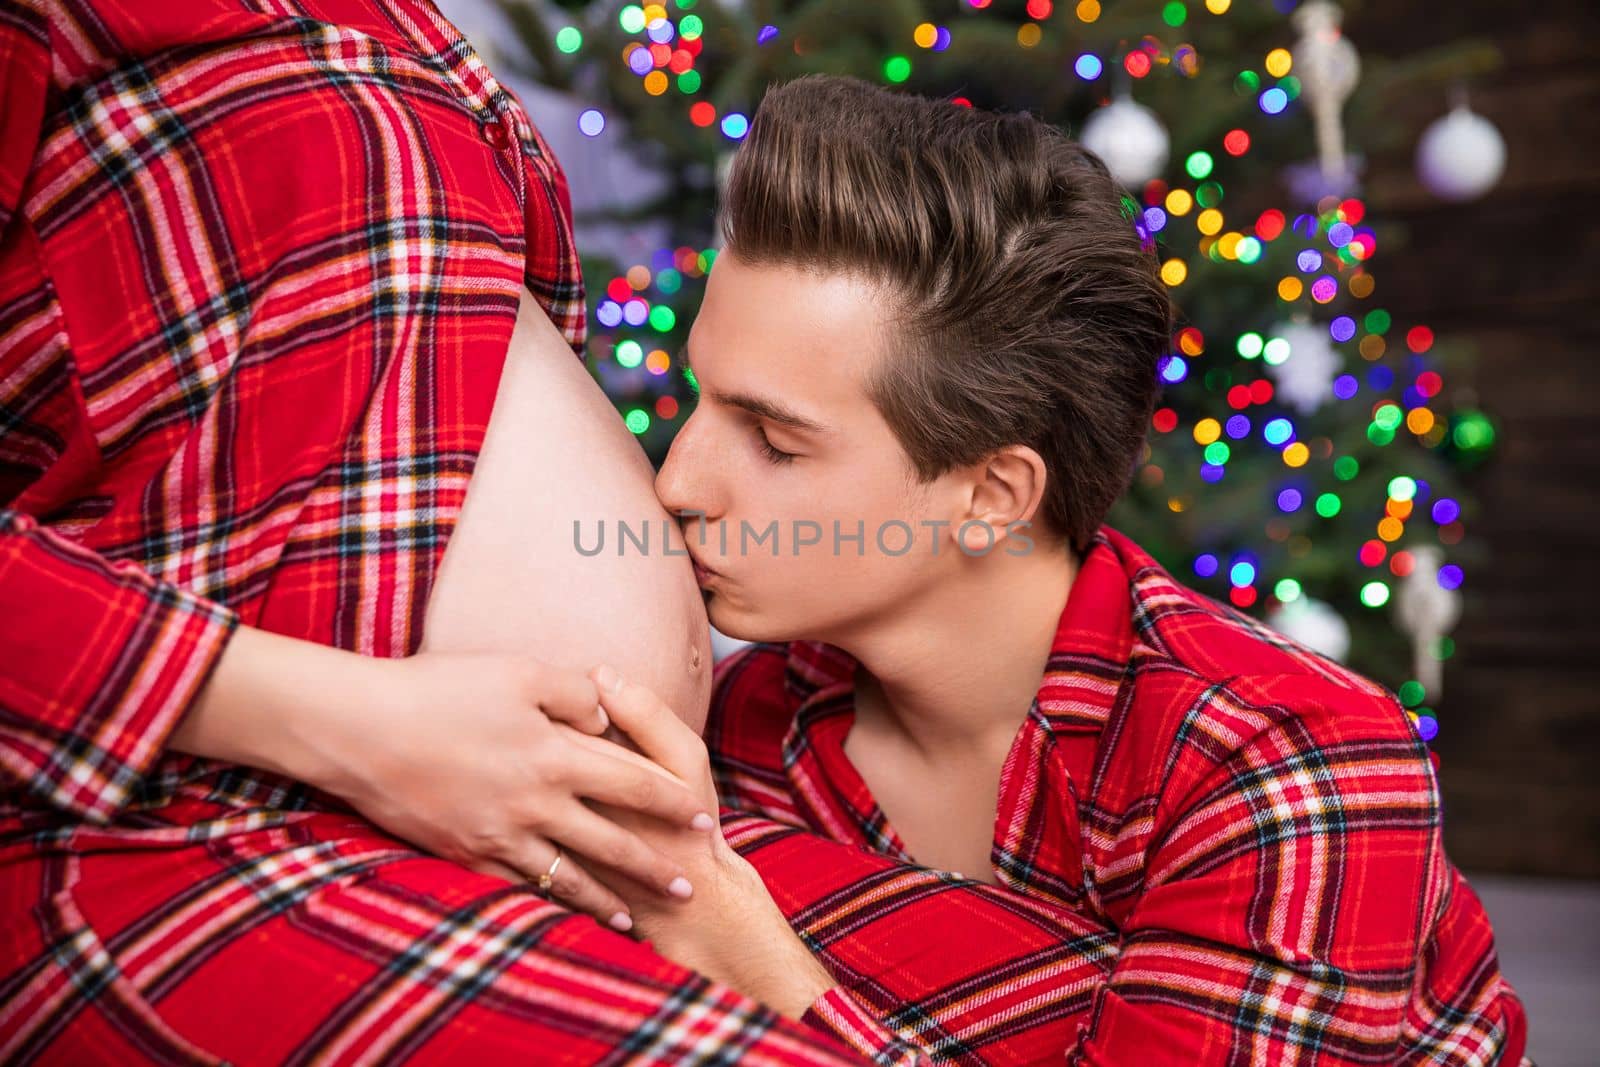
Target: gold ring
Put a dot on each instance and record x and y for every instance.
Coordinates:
(548, 878)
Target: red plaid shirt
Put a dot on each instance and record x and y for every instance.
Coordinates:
(1213, 846)
(260, 262)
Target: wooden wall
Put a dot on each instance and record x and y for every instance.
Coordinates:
(1518, 274)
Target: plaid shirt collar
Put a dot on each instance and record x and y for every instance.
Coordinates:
(1053, 752)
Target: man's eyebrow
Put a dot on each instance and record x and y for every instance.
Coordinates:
(761, 407)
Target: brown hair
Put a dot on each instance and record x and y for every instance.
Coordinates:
(1026, 309)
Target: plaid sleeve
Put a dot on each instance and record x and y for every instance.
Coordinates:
(101, 661)
(1291, 889)
(24, 79)
(849, 1018)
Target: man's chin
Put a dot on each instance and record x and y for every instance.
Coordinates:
(741, 623)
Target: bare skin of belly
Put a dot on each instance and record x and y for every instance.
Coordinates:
(512, 579)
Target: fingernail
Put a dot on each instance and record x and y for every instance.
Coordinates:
(680, 887)
(608, 679)
(605, 720)
(621, 922)
(702, 822)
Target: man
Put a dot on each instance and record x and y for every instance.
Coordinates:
(1155, 831)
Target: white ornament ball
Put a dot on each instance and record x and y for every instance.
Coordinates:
(1131, 140)
(1314, 624)
(1461, 156)
(1305, 380)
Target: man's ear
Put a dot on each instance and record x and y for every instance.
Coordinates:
(1006, 488)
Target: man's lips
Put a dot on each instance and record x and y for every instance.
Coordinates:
(702, 573)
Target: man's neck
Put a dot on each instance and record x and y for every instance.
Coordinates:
(955, 672)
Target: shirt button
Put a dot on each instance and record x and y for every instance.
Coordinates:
(496, 134)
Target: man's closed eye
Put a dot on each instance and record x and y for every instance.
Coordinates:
(773, 455)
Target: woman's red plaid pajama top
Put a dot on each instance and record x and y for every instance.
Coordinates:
(1213, 846)
(260, 262)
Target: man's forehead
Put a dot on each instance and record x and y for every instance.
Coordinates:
(800, 326)
(760, 385)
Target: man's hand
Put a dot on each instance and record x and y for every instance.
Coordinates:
(729, 929)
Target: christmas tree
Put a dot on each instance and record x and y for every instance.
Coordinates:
(1307, 462)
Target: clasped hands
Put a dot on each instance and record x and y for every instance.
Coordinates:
(495, 762)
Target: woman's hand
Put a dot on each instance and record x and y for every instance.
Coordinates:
(483, 759)
(730, 929)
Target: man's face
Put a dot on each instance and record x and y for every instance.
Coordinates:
(781, 357)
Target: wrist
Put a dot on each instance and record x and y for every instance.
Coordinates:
(325, 736)
(280, 704)
(760, 950)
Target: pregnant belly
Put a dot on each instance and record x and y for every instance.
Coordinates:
(513, 578)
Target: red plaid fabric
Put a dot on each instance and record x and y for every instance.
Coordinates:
(260, 262)
(1214, 846)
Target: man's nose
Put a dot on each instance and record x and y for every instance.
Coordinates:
(684, 482)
